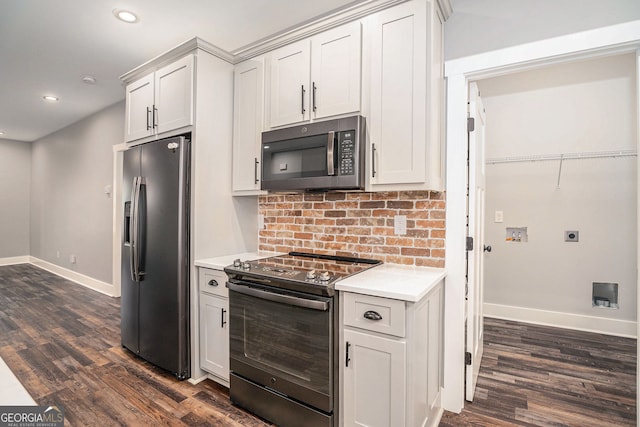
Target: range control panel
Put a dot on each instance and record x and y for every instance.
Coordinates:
(347, 151)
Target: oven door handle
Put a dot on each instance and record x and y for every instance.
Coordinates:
(284, 299)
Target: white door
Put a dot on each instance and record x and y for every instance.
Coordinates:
(289, 88)
(374, 381)
(174, 95)
(335, 71)
(247, 125)
(475, 259)
(214, 335)
(396, 40)
(138, 113)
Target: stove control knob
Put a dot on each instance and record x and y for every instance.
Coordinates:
(311, 274)
(325, 276)
(246, 266)
(237, 263)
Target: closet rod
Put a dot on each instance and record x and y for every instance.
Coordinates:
(562, 157)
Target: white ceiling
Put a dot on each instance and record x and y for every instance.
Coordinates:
(47, 46)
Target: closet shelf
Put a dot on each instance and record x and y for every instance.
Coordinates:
(562, 157)
(565, 156)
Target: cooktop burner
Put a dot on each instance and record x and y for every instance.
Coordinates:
(302, 271)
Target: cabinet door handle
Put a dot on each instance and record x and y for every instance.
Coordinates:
(213, 282)
(255, 170)
(313, 97)
(372, 315)
(302, 103)
(347, 356)
(155, 117)
(223, 322)
(373, 160)
(148, 121)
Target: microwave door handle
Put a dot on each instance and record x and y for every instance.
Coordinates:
(331, 144)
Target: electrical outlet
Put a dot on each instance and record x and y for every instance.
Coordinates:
(72, 259)
(400, 225)
(571, 236)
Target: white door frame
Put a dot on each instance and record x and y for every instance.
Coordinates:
(615, 39)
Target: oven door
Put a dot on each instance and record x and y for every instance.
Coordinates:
(283, 341)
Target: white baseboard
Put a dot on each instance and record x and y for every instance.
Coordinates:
(601, 325)
(15, 260)
(81, 279)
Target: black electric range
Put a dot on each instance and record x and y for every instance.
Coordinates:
(300, 271)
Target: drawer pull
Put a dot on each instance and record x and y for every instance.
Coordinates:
(372, 315)
(213, 282)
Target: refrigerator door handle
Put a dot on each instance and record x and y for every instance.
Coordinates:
(134, 253)
(133, 226)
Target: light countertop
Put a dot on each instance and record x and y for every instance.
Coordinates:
(407, 283)
(218, 263)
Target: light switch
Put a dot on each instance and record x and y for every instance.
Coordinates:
(498, 216)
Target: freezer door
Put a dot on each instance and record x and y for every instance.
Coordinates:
(129, 322)
(164, 255)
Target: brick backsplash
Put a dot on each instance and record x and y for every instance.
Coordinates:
(357, 224)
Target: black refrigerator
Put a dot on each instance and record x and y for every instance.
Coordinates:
(155, 253)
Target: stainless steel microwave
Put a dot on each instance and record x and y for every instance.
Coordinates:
(316, 156)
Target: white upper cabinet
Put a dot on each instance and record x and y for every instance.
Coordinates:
(404, 104)
(248, 107)
(335, 71)
(289, 85)
(161, 101)
(316, 78)
(174, 95)
(139, 101)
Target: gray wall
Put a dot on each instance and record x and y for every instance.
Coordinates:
(483, 25)
(585, 106)
(70, 212)
(15, 176)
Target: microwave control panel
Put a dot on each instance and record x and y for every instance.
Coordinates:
(346, 148)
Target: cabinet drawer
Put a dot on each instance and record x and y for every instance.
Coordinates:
(376, 314)
(213, 282)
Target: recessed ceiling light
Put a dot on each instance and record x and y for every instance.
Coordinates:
(1, 132)
(51, 98)
(125, 16)
(90, 80)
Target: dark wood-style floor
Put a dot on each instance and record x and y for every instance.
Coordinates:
(542, 376)
(62, 341)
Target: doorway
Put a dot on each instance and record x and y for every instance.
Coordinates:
(561, 161)
(595, 43)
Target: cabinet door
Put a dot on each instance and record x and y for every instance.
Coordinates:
(247, 126)
(214, 335)
(174, 95)
(289, 84)
(335, 71)
(139, 102)
(397, 44)
(374, 381)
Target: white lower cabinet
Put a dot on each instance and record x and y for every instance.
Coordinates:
(373, 375)
(391, 360)
(214, 324)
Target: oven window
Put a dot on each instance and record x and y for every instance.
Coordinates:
(296, 158)
(290, 342)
